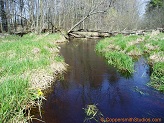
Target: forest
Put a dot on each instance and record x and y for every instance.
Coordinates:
(106, 15)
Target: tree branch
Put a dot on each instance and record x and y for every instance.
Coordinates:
(89, 14)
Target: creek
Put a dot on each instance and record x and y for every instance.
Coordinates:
(90, 80)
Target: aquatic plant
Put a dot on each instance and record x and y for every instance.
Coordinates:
(136, 89)
(92, 113)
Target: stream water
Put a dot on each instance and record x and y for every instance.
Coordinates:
(90, 80)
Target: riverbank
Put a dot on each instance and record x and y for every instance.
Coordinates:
(28, 65)
(121, 51)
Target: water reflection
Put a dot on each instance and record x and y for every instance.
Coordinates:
(91, 81)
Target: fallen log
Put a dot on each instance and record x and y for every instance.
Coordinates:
(89, 34)
(74, 35)
(100, 34)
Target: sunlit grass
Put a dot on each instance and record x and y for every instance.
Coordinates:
(14, 95)
(121, 61)
(157, 77)
(121, 51)
(112, 49)
(59, 58)
(20, 57)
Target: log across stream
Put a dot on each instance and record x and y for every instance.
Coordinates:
(101, 34)
(91, 81)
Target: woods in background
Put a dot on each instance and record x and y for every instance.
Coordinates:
(154, 16)
(50, 15)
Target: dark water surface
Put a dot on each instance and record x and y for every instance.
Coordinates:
(91, 81)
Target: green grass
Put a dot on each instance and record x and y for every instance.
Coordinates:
(19, 56)
(59, 58)
(121, 61)
(121, 51)
(14, 95)
(157, 77)
(112, 49)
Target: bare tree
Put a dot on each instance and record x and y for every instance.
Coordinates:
(154, 17)
(40, 15)
(3, 16)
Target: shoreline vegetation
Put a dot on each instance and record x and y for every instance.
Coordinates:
(121, 51)
(28, 65)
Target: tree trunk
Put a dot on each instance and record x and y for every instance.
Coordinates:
(3, 16)
(91, 12)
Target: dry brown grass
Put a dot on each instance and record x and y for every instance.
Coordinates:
(135, 53)
(157, 57)
(154, 33)
(43, 78)
(151, 47)
(138, 41)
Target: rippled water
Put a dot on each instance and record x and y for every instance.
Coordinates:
(90, 80)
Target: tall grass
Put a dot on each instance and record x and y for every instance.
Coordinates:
(19, 56)
(112, 49)
(121, 61)
(121, 52)
(14, 95)
(157, 77)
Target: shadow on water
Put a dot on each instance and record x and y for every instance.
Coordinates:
(91, 81)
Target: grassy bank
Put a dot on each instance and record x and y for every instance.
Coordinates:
(27, 64)
(121, 51)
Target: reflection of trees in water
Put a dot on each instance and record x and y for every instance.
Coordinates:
(87, 70)
(54, 108)
(113, 76)
(117, 96)
(84, 64)
(89, 81)
(83, 83)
